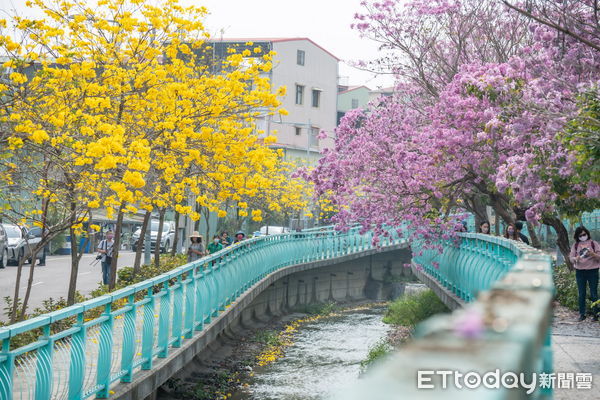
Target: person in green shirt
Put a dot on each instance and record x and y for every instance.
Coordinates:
(215, 245)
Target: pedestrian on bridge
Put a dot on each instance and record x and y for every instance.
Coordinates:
(196, 249)
(105, 248)
(215, 245)
(225, 239)
(484, 227)
(511, 232)
(519, 226)
(585, 256)
(239, 237)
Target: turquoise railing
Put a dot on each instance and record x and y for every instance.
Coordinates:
(85, 349)
(471, 266)
(508, 289)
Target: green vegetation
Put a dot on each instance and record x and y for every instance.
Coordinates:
(566, 287)
(268, 338)
(410, 310)
(407, 311)
(125, 278)
(320, 309)
(376, 352)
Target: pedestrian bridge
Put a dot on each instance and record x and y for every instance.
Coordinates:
(124, 345)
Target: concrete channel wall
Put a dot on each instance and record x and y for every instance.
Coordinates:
(368, 275)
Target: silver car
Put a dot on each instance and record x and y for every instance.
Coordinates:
(166, 238)
(3, 248)
(20, 243)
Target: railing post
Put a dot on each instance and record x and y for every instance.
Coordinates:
(129, 333)
(177, 311)
(43, 372)
(7, 366)
(77, 367)
(163, 321)
(148, 331)
(105, 353)
(199, 303)
(190, 306)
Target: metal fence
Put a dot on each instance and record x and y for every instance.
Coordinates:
(84, 350)
(510, 289)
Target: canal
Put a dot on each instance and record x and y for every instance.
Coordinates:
(325, 357)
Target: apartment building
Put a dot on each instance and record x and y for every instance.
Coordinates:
(310, 74)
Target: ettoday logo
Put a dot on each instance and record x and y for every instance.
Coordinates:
(496, 379)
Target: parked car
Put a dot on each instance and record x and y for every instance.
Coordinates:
(21, 242)
(3, 247)
(166, 239)
(273, 230)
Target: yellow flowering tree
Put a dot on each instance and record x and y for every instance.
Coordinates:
(121, 107)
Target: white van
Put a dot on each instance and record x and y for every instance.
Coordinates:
(273, 230)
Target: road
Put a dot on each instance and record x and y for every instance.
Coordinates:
(52, 280)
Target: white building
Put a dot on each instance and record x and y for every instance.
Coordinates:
(310, 74)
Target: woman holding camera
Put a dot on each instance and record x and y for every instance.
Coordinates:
(585, 256)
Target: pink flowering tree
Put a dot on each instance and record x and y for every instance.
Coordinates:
(468, 123)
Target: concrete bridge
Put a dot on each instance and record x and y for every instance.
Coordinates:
(127, 344)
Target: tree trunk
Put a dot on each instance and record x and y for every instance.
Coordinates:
(74, 267)
(15, 305)
(206, 213)
(161, 222)
(29, 283)
(477, 207)
(562, 237)
(115, 253)
(535, 241)
(76, 255)
(197, 223)
(46, 237)
(139, 247)
(176, 236)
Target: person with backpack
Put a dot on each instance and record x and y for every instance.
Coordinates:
(519, 226)
(105, 248)
(585, 256)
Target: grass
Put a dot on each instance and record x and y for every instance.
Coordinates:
(268, 337)
(376, 352)
(410, 310)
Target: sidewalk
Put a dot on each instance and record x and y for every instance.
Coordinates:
(576, 347)
(52, 280)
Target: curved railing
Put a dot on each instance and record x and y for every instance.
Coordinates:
(82, 350)
(471, 266)
(505, 327)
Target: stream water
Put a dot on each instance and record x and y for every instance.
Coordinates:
(324, 358)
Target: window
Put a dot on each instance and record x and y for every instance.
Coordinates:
(300, 57)
(299, 94)
(314, 139)
(298, 130)
(316, 97)
(354, 103)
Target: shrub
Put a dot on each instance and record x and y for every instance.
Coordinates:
(410, 310)
(566, 287)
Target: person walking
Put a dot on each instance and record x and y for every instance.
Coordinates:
(215, 245)
(105, 248)
(585, 256)
(196, 249)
